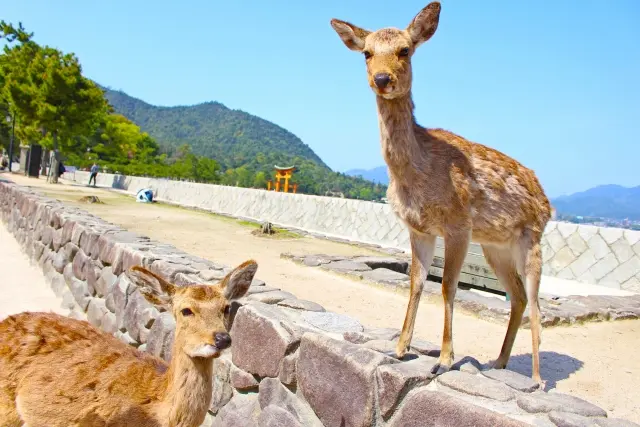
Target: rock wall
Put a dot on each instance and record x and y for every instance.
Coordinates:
(595, 255)
(292, 363)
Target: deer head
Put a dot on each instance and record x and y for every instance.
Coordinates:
(388, 51)
(201, 311)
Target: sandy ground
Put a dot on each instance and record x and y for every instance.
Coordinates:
(597, 361)
(22, 285)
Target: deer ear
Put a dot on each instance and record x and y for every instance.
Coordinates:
(237, 282)
(425, 24)
(353, 37)
(154, 288)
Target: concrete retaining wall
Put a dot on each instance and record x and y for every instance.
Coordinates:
(595, 255)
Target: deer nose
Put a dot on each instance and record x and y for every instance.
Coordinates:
(382, 80)
(222, 340)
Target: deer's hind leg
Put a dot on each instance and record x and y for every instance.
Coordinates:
(530, 268)
(503, 261)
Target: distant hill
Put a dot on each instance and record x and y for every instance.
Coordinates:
(606, 201)
(232, 137)
(246, 146)
(378, 175)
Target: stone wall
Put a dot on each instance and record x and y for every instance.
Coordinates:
(595, 255)
(292, 363)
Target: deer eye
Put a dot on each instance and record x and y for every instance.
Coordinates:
(367, 54)
(227, 310)
(186, 312)
(404, 51)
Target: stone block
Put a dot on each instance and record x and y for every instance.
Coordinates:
(394, 381)
(242, 380)
(242, 410)
(57, 283)
(424, 408)
(105, 282)
(332, 322)
(79, 262)
(47, 236)
(384, 275)
(610, 234)
(68, 301)
(300, 304)
(92, 272)
(337, 379)
(346, 266)
(273, 416)
(161, 335)
(562, 259)
(110, 303)
(512, 379)
(288, 368)
(273, 393)
(134, 318)
(121, 292)
(393, 264)
(576, 243)
(546, 402)
(56, 239)
(476, 385)
(109, 323)
(80, 291)
(604, 266)
(614, 422)
(272, 297)
(168, 270)
(622, 249)
(221, 387)
(96, 311)
(567, 419)
(261, 326)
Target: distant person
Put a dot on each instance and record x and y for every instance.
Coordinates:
(61, 168)
(4, 163)
(94, 174)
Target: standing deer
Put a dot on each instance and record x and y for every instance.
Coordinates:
(444, 185)
(59, 372)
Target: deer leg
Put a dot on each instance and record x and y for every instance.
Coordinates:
(533, 273)
(422, 249)
(503, 263)
(455, 251)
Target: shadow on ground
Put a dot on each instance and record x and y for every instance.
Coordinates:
(554, 366)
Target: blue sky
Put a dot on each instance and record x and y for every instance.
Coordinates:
(555, 84)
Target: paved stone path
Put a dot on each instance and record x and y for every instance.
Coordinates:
(22, 285)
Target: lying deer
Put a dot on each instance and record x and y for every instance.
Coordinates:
(59, 372)
(441, 184)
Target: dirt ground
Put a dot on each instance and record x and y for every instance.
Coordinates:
(596, 361)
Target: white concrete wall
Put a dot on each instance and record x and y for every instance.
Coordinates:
(596, 255)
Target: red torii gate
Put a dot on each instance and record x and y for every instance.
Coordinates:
(283, 173)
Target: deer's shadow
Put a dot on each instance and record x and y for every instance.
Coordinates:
(554, 366)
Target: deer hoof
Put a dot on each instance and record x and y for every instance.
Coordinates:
(440, 368)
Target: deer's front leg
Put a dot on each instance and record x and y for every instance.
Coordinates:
(422, 249)
(455, 251)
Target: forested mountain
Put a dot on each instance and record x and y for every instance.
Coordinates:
(606, 201)
(231, 137)
(245, 146)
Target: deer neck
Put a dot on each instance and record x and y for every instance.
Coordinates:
(189, 387)
(397, 133)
